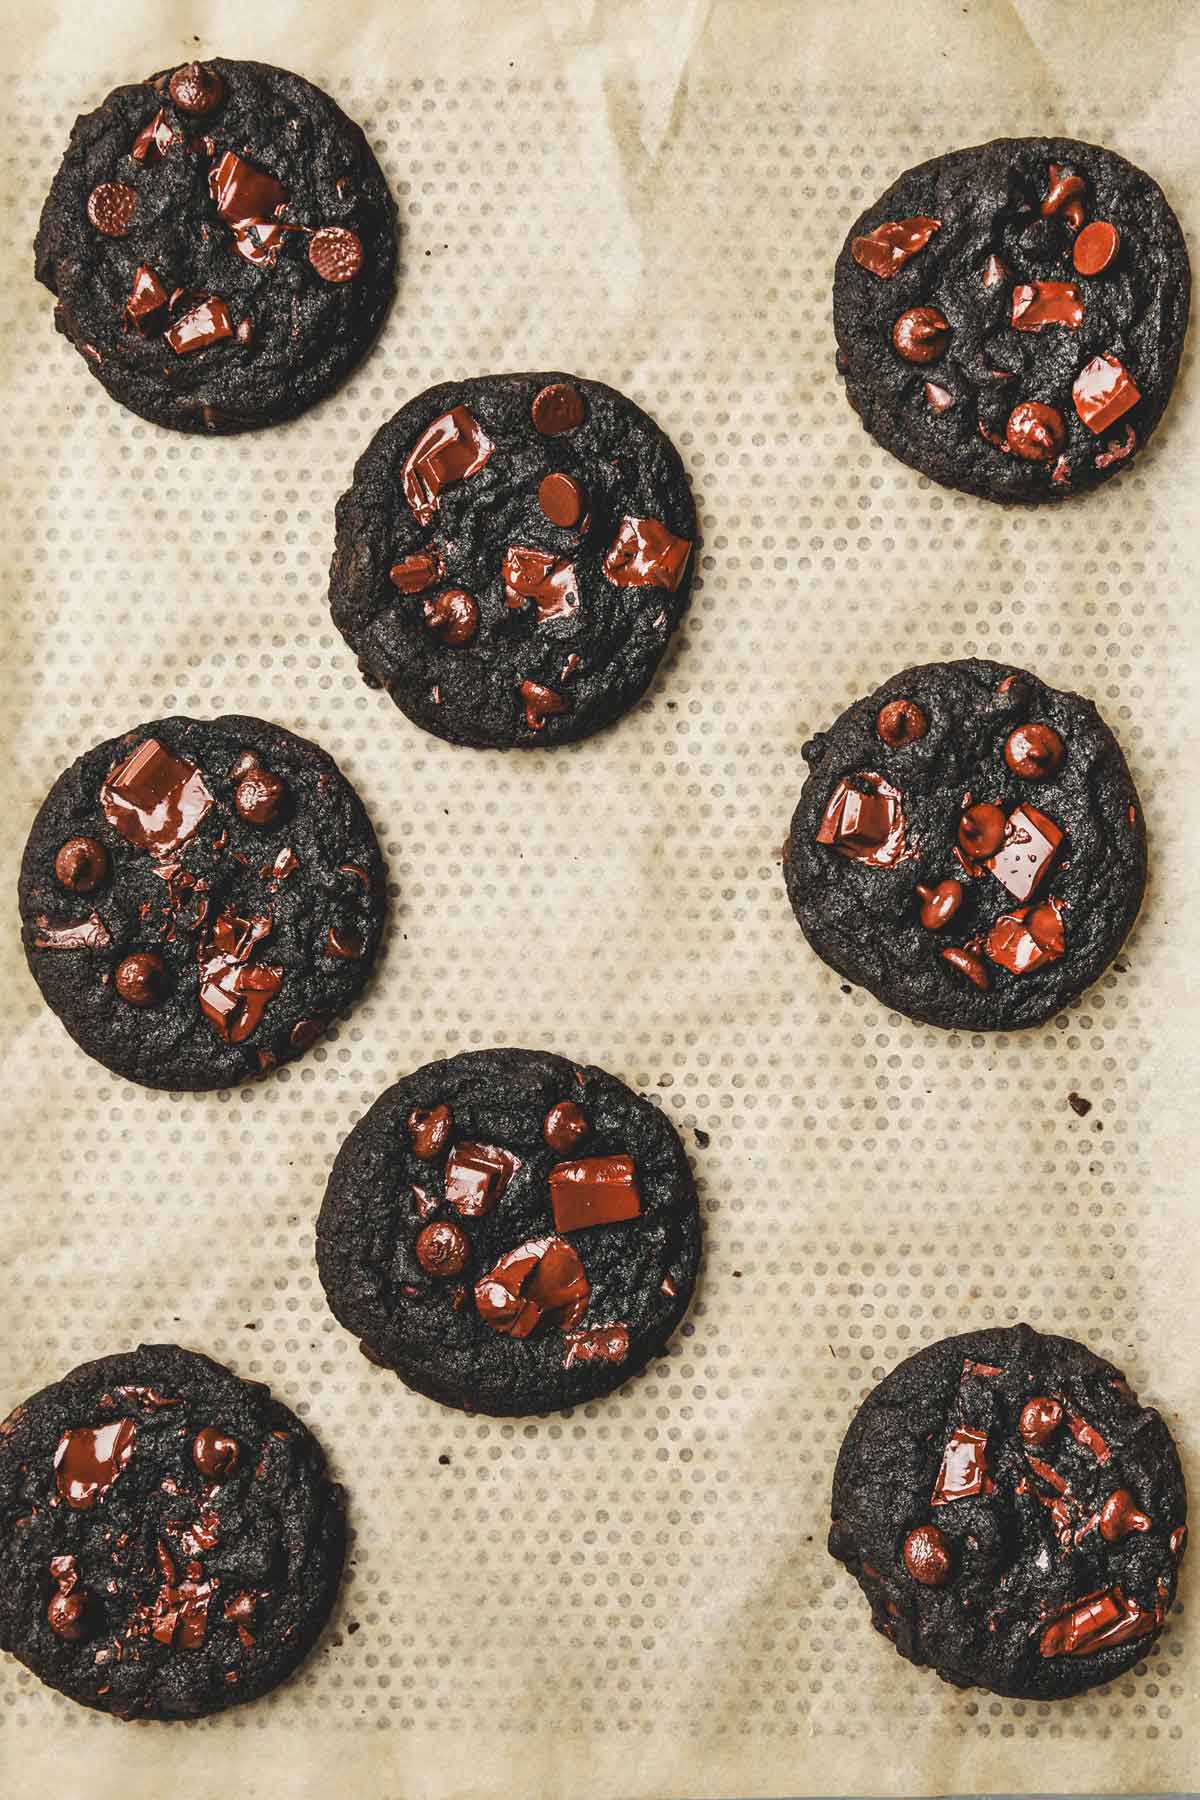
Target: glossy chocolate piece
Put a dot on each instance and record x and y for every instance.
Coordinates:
(89, 1459)
(242, 193)
(453, 448)
(1031, 842)
(981, 829)
(1034, 751)
(921, 334)
(413, 574)
(1035, 432)
(67, 1611)
(196, 89)
(967, 963)
(1104, 391)
(452, 616)
(927, 1556)
(153, 140)
(603, 1343)
(549, 581)
(995, 272)
(477, 1176)
(1096, 248)
(336, 253)
(259, 797)
(885, 250)
(1040, 1418)
(964, 1469)
(142, 979)
(1121, 1515)
(565, 1125)
(1096, 1622)
(557, 408)
(541, 703)
(900, 722)
(429, 1131)
(594, 1190)
(541, 1282)
(347, 946)
(561, 499)
(645, 554)
(865, 821)
(939, 904)
(215, 1454)
(1065, 186)
(235, 990)
(86, 934)
(1027, 939)
(206, 324)
(442, 1248)
(939, 399)
(81, 865)
(1036, 304)
(146, 308)
(111, 207)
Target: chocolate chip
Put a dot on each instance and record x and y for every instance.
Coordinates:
(564, 1125)
(921, 334)
(245, 331)
(196, 90)
(561, 499)
(111, 207)
(981, 830)
(442, 1248)
(81, 865)
(214, 1454)
(335, 253)
(940, 903)
(430, 1131)
(968, 964)
(142, 979)
(259, 797)
(541, 703)
(557, 408)
(900, 722)
(67, 1616)
(885, 250)
(1096, 247)
(453, 616)
(1040, 1419)
(1035, 432)
(1034, 751)
(927, 1556)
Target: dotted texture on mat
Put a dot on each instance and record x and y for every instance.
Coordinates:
(867, 1185)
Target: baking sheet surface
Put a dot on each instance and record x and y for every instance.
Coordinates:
(633, 1600)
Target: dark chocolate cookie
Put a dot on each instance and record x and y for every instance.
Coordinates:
(222, 243)
(510, 1232)
(512, 558)
(170, 1543)
(969, 845)
(1010, 318)
(1013, 1515)
(199, 898)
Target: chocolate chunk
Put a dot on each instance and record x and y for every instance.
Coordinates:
(939, 399)
(603, 1343)
(1103, 392)
(88, 1461)
(196, 90)
(244, 194)
(921, 334)
(1120, 1515)
(996, 272)
(1034, 751)
(900, 722)
(205, 325)
(453, 616)
(454, 447)
(442, 1248)
(1039, 303)
(259, 797)
(885, 250)
(561, 499)
(541, 703)
(540, 1282)
(476, 1177)
(153, 140)
(940, 903)
(234, 989)
(142, 979)
(1096, 247)
(87, 934)
(81, 865)
(335, 253)
(865, 822)
(1065, 186)
(594, 1190)
(215, 1454)
(429, 1131)
(964, 1468)
(557, 408)
(564, 1125)
(1095, 1623)
(413, 574)
(927, 1556)
(146, 307)
(259, 241)
(1031, 842)
(111, 207)
(1027, 939)
(549, 581)
(1035, 432)
(645, 554)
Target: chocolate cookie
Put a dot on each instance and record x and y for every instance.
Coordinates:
(512, 558)
(969, 845)
(1010, 318)
(199, 898)
(510, 1232)
(1015, 1518)
(222, 244)
(170, 1543)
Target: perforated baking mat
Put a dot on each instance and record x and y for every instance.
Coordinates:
(633, 1599)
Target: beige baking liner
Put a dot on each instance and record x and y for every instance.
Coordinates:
(635, 1599)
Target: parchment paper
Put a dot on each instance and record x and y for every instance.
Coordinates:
(632, 1600)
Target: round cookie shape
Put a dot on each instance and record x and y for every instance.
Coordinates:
(1061, 280)
(170, 1542)
(512, 558)
(492, 1270)
(221, 242)
(979, 876)
(213, 937)
(1034, 1567)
